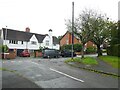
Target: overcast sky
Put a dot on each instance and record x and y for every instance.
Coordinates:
(42, 15)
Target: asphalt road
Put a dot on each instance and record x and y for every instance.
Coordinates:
(54, 73)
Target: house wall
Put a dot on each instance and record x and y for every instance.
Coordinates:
(90, 44)
(34, 46)
(57, 46)
(25, 45)
(44, 42)
(13, 46)
(67, 39)
(64, 40)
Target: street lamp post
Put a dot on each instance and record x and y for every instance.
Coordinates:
(5, 35)
(5, 40)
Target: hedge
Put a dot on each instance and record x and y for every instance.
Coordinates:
(90, 50)
(77, 47)
(114, 50)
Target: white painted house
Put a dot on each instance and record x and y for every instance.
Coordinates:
(21, 40)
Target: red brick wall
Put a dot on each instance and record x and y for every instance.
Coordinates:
(90, 44)
(68, 37)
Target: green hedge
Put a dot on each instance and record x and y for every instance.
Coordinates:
(114, 50)
(91, 50)
(4, 48)
(77, 47)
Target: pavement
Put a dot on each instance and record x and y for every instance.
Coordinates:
(102, 67)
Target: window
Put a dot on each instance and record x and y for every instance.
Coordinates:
(21, 42)
(33, 42)
(47, 43)
(13, 42)
(10, 41)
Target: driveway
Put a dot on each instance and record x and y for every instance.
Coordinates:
(54, 73)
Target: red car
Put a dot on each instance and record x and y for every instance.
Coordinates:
(25, 54)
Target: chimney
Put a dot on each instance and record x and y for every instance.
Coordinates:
(51, 39)
(27, 29)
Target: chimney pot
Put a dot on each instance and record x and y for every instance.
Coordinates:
(27, 29)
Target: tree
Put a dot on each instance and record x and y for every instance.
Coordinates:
(115, 33)
(91, 26)
(101, 30)
(81, 28)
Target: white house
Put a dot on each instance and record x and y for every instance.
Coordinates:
(21, 40)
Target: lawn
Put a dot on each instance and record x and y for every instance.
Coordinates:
(112, 60)
(86, 60)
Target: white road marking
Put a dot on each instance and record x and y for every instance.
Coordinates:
(62, 73)
(66, 75)
(38, 75)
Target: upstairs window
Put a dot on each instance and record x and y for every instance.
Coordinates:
(13, 42)
(33, 42)
(21, 42)
(47, 42)
(10, 41)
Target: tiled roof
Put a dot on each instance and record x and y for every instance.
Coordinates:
(40, 37)
(16, 35)
(25, 36)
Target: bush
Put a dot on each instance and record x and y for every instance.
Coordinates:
(90, 50)
(4, 48)
(114, 50)
(77, 47)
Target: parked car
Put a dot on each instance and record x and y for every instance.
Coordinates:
(50, 53)
(25, 54)
(67, 53)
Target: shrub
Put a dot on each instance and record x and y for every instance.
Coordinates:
(4, 48)
(91, 50)
(77, 47)
(114, 50)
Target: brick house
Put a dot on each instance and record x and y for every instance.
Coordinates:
(67, 39)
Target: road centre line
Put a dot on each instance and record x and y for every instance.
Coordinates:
(66, 75)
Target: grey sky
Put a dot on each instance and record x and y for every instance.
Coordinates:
(42, 15)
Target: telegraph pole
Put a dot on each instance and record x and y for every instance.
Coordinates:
(72, 27)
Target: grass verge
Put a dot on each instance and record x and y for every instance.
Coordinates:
(86, 60)
(112, 60)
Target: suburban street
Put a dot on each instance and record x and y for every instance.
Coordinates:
(54, 73)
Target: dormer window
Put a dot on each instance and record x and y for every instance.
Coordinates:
(33, 42)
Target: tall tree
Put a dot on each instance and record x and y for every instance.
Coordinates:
(91, 26)
(101, 29)
(81, 27)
